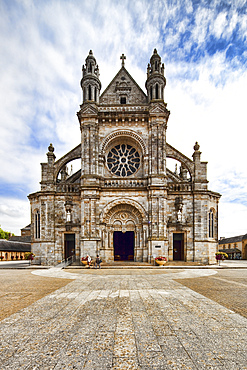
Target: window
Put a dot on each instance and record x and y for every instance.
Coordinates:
(89, 93)
(95, 93)
(156, 66)
(151, 93)
(123, 160)
(123, 100)
(37, 225)
(156, 91)
(211, 224)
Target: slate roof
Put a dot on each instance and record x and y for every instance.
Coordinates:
(230, 251)
(11, 246)
(26, 227)
(233, 239)
(21, 239)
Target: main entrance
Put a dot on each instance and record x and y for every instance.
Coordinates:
(69, 245)
(178, 247)
(123, 245)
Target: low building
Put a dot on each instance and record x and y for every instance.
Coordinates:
(25, 236)
(235, 247)
(13, 250)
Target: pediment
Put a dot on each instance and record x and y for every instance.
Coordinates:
(88, 109)
(123, 85)
(158, 108)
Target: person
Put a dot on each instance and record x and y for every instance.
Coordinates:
(98, 261)
(89, 260)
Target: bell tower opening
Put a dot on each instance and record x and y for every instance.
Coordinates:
(123, 245)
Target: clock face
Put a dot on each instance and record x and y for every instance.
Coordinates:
(123, 160)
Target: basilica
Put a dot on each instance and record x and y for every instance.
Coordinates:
(123, 202)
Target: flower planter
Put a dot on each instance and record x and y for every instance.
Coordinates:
(160, 263)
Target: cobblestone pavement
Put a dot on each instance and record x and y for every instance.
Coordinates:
(227, 287)
(124, 320)
(20, 288)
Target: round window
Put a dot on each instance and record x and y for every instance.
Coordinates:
(123, 160)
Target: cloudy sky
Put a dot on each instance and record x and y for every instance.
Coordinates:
(43, 45)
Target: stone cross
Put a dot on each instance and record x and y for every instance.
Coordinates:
(123, 57)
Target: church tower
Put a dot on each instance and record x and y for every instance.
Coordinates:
(157, 179)
(90, 82)
(156, 81)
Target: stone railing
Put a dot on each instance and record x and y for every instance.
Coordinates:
(179, 187)
(126, 183)
(68, 188)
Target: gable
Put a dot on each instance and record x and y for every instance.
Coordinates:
(88, 109)
(158, 108)
(123, 86)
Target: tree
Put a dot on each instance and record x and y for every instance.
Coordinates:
(4, 234)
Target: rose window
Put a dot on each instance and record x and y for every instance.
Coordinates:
(123, 160)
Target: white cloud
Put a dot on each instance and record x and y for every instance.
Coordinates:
(44, 45)
(232, 216)
(14, 214)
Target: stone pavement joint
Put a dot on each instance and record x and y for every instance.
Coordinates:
(131, 321)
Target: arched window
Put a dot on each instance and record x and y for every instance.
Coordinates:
(89, 93)
(151, 93)
(37, 225)
(156, 91)
(95, 94)
(211, 224)
(90, 67)
(156, 65)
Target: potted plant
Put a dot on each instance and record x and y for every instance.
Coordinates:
(84, 261)
(160, 260)
(29, 256)
(220, 256)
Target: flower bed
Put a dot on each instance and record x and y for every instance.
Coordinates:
(221, 256)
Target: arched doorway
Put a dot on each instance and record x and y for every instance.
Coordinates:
(124, 245)
(124, 231)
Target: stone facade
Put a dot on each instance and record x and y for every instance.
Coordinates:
(124, 203)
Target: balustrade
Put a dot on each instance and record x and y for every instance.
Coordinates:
(126, 183)
(68, 188)
(179, 187)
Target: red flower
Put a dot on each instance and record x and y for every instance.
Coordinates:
(160, 258)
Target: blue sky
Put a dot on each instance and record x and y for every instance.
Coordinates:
(43, 45)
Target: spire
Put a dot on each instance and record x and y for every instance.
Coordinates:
(156, 81)
(90, 82)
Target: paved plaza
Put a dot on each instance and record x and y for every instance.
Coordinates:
(125, 319)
